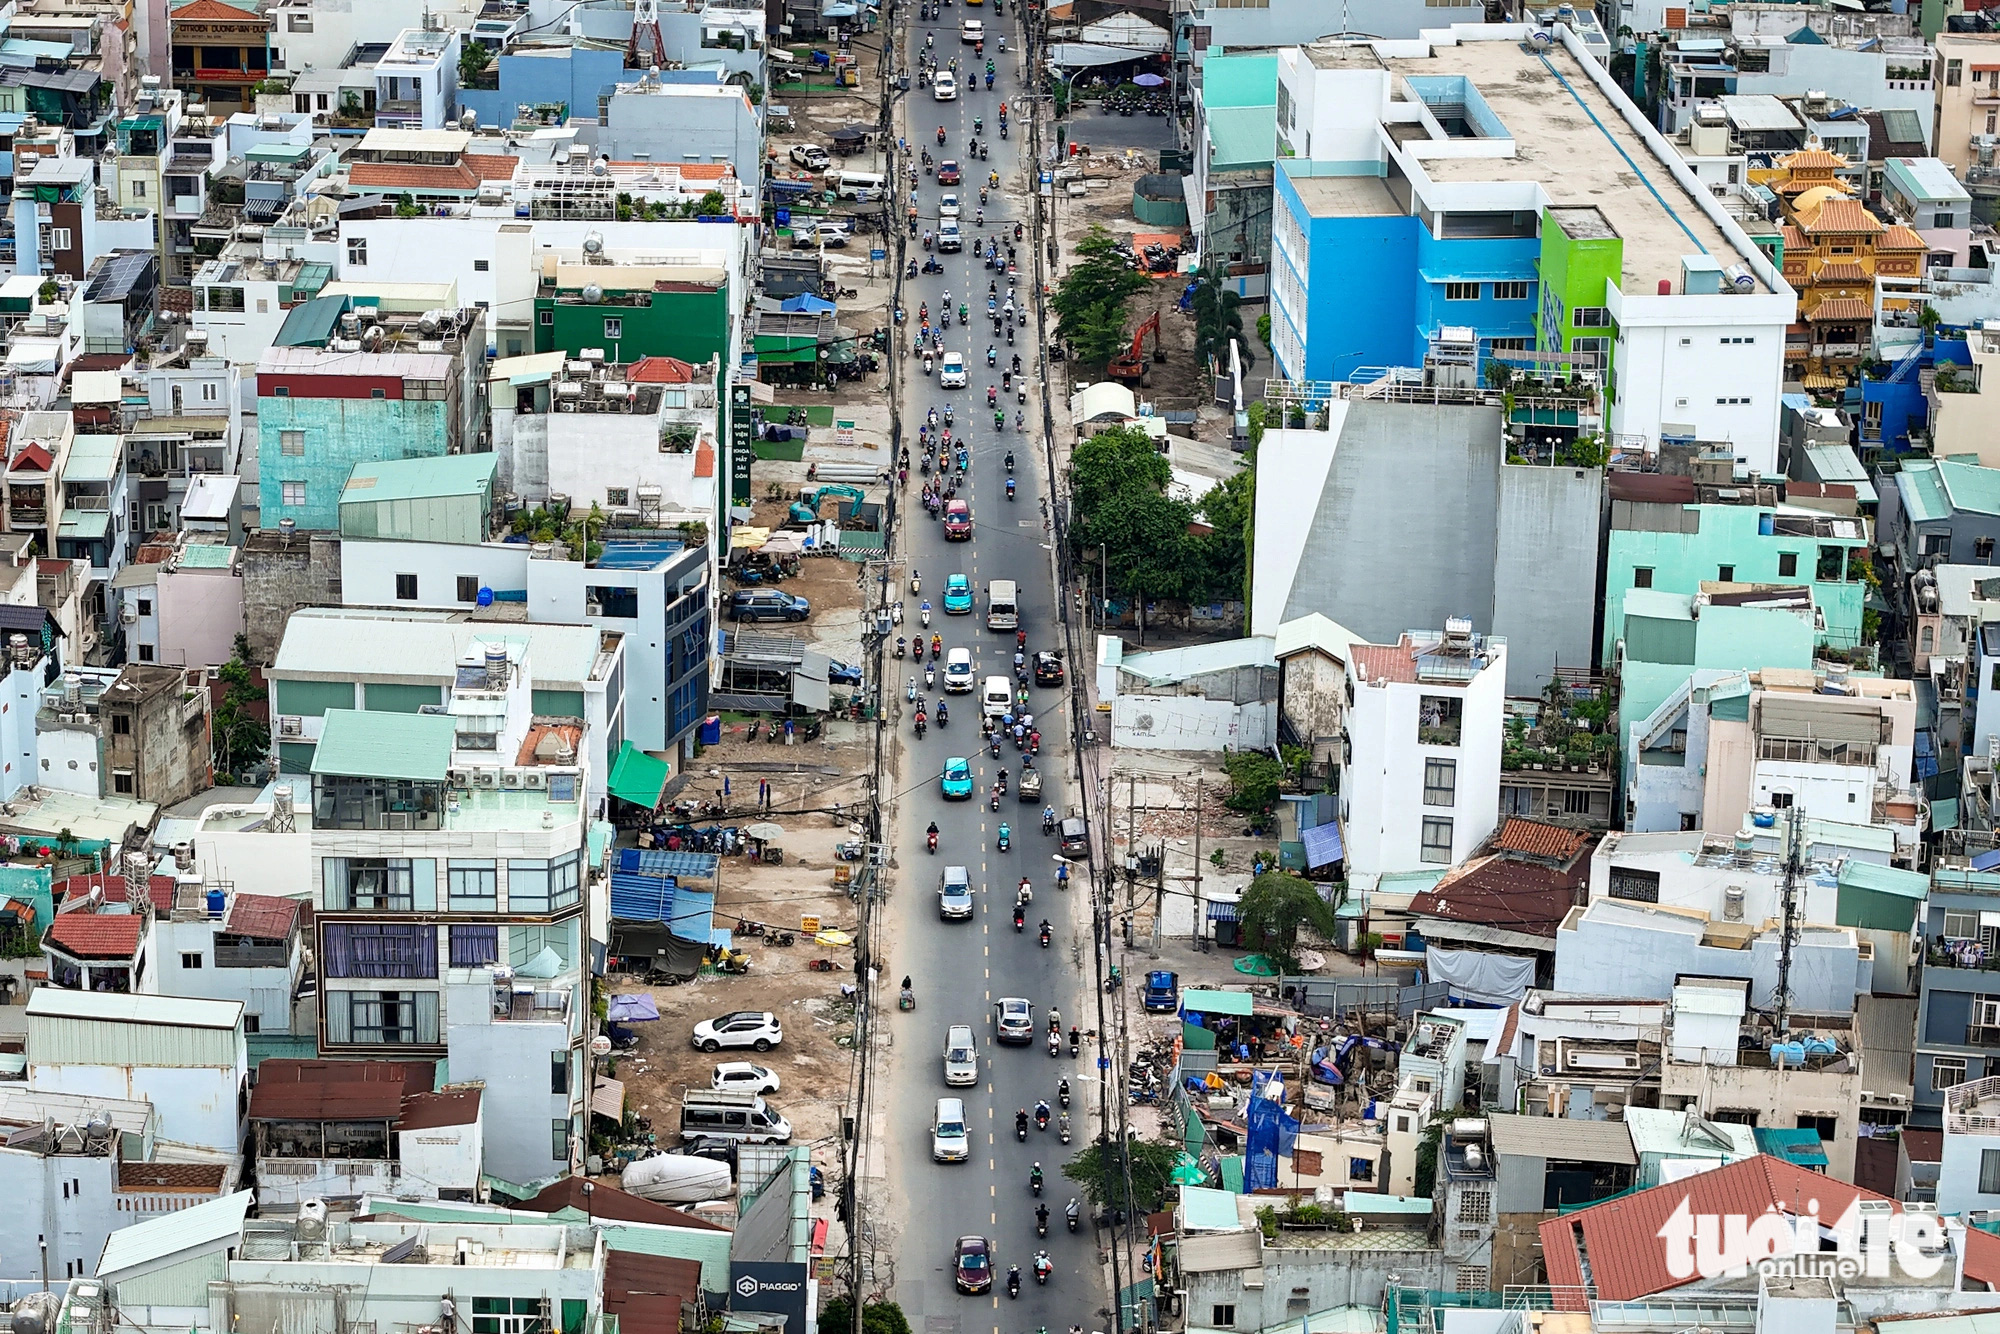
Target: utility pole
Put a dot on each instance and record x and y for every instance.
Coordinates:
(1794, 853)
(1197, 865)
(1159, 895)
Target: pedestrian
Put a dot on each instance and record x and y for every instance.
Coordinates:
(763, 794)
(725, 787)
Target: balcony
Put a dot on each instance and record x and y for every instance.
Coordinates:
(253, 956)
(28, 516)
(525, 1002)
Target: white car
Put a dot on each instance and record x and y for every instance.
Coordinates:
(810, 156)
(758, 1029)
(961, 1056)
(951, 374)
(744, 1077)
(1017, 1020)
(948, 206)
(944, 87)
(971, 30)
(958, 671)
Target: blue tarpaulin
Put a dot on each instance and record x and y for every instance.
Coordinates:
(1986, 861)
(1926, 756)
(1323, 847)
(1272, 1134)
(632, 1009)
(645, 883)
(805, 303)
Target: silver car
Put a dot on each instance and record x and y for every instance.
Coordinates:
(961, 1056)
(1017, 1020)
(955, 894)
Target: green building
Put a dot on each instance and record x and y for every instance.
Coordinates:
(447, 499)
(687, 320)
(1581, 257)
(1662, 539)
(1736, 627)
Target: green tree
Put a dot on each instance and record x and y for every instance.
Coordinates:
(1217, 320)
(1089, 300)
(239, 738)
(473, 59)
(1118, 488)
(1254, 778)
(406, 206)
(837, 1317)
(1230, 508)
(1101, 1171)
(1273, 909)
(713, 205)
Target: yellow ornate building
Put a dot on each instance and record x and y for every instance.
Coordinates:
(1834, 248)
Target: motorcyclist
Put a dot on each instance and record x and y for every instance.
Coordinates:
(1062, 1091)
(1013, 1279)
(1035, 1172)
(1048, 824)
(1010, 453)
(1042, 1218)
(1072, 1210)
(1042, 1113)
(1021, 1123)
(1045, 928)
(932, 833)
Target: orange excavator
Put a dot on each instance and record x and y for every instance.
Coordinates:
(1129, 366)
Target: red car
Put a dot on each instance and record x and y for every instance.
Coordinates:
(947, 173)
(958, 522)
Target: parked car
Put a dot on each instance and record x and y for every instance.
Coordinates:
(958, 523)
(829, 234)
(767, 604)
(956, 781)
(1017, 1020)
(810, 156)
(840, 674)
(1048, 669)
(758, 1029)
(1075, 839)
(955, 894)
(957, 596)
(972, 1264)
(744, 1076)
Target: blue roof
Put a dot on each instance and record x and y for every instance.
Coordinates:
(1802, 1148)
(1323, 846)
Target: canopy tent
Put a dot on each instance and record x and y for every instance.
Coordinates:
(638, 777)
(632, 1009)
(805, 303)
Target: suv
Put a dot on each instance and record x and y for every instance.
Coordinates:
(810, 156)
(1017, 1020)
(824, 232)
(971, 30)
(950, 239)
(951, 371)
(955, 894)
(743, 1028)
(961, 1056)
(767, 604)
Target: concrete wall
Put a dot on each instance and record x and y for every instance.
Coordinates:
(339, 433)
(368, 570)
(513, 1059)
(195, 1106)
(279, 576)
(70, 1201)
(1545, 550)
(1187, 722)
(200, 613)
(1608, 956)
(266, 993)
(1779, 1097)
(714, 126)
(1301, 22)
(1327, 1278)
(1313, 695)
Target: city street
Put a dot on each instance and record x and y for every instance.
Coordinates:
(962, 968)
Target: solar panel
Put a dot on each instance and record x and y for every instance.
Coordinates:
(400, 1252)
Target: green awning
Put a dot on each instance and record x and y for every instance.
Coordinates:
(638, 778)
(1217, 1002)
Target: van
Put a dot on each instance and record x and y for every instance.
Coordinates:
(996, 696)
(950, 1141)
(732, 1114)
(961, 1056)
(860, 186)
(1002, 611)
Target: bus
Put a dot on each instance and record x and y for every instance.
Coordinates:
(1001, 613)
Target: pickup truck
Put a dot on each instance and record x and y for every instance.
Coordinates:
(810, 156)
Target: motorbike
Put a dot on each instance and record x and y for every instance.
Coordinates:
(1020, 921)
(996, 748)
(931, 838)
(1062, 1093)
(1021, 1129)
(1006, 840)
(930, 675)
(925, 616)
(1014, 1283)
(1042, 1268)
(1064, 1130)
(900, 646)
(1055, 1044)
(994, 800)
(1072, 1213)
(1010, 488)
(1041, 1116)
(1042, 1220)
(920, 725)
(1075, 1042)
(1045, 936)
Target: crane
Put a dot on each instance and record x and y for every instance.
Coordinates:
(1129, 366)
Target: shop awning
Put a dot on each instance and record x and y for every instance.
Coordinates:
(1223, 912)
(1323, 846)
(1217, 1002)
(638, 777)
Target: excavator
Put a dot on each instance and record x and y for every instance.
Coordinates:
(806, 508)
(1129, 366)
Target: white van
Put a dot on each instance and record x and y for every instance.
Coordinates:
(732, 1114)
(961, 1056)
(996, 696)
(860, 186)
(950, 1140)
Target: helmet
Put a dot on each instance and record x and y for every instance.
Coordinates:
(1038, 1167)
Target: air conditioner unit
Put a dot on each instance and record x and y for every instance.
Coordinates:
(458, 777)
(593, 609)
(511, 778)
(535, 778)
(485, 778)
(396, 820)
(291, 726)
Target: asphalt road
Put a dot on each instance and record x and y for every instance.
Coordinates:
(961, 969)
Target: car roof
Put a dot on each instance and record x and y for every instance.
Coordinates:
(954, 580)
(956, 654)
(1015, 1002)
(953, 507)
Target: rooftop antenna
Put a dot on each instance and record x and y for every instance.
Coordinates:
(646, 28)
(1795, 849)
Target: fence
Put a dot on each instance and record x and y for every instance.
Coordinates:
(1375, 995)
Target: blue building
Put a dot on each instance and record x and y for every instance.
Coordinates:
(574, 77)
(1894, 404)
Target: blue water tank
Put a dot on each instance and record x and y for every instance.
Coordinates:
(1764, 819)
(1788, 1053)
(782, 216)
(216, 901)
(1767, 524)
(710, 731)
(485, 596)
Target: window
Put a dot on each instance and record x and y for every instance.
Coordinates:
(559, 1071)
(1961, 926)
(1475, 1206)
(1781, 801)
(1223, 1316)
(1440, 718)
(357, 251)
(387, 1018)
(1989, 1171)
(543, 886)
(121, 724)
(406, 588)
(1735, 340)
(291, 493)
(1642, 577)
(298, 23)
(1947, 1072)
(1635, 885)
(1576, 802)
(1510, 291)
(1437, 841)
(121, 779)
(1823, 1123)
(558, 1149)
(480, 265)
(401, 951)
(614, 328)
(1461, 291)
(139, 188)
(368, 884)
(1511, 344)
(1788, 564)
(471, 886)
(190, 959)
(1725, 574)
(1591, 317)
(1733, 401)
(545, 317)
(474, 946)
(468, 588)
(58, 238)
(617, 495)
(1440, 782)
(145, 653)
(292, 443)
(378, 393)
(1474, 1278)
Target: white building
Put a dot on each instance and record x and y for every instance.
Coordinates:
(340, 1129)
(235, 946)
(1421, 781)
(186, 1057)
(416, 80)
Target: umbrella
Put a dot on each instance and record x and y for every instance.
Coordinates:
(632, 1009)
(764, 832)
(784, 544)
(1149, 80)
(1257, 965)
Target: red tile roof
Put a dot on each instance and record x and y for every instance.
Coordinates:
(1982, 1256)
(289, 1089)
(173, 1178)
(96, 936)
(490, 166)
(607, 1201)
(704, 459)
(262, 916)
(660, 370)
(214, 9)
(1843, 215)
(32, 458)
(705, 171)
(1385, 662)
(1899, 237)
(159, 889)
(1923, 1146)
(1841, 308)
(412, 176)
(1622, 1237)
(1532, 838)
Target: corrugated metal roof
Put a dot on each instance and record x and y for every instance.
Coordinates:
(363, 744)
(1559, 1137)
(333, 644)
(1204, 1209)
(1221, 1250)
(204, 1224)
(111, 1007)
(420, 479)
